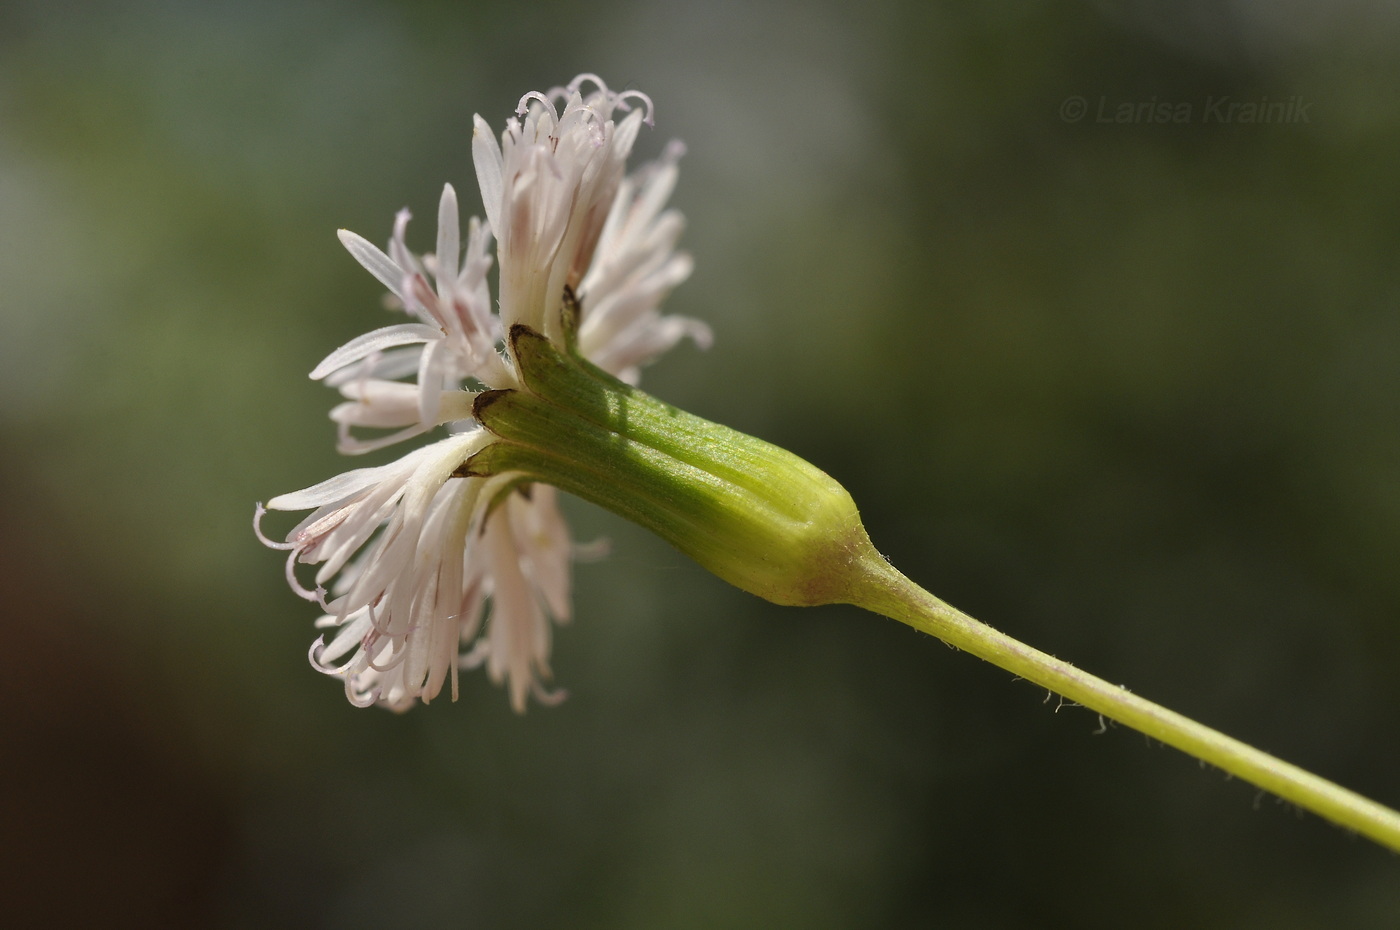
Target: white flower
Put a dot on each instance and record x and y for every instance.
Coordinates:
(634, 267)
(423, 572)
(456, 340)
(548, 187)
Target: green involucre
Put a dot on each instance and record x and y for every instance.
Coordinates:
(756, 515)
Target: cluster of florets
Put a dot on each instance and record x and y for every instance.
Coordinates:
(423, 572)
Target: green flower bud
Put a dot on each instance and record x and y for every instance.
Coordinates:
(756, 515)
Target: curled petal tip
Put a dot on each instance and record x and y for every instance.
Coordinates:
(259, 511)
(650, 117)
(366, 699)
(547, 697)
(297, 587)
(314, 654)
(524, 106)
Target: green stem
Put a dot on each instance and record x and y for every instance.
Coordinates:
(882, 589)
(765, 520)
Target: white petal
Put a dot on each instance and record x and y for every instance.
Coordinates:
(432, 373)
(378, 403)
(486, 154)
(347, 444)
(388, 366)
(369, 343)
(542, 537)
(375, 262)
(345, 639)
(448, 241)
(626, 134)
(346, 485)
(456, 405)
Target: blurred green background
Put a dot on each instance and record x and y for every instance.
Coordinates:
(1128, 391)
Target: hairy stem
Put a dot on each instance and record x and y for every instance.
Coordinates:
(882, 589)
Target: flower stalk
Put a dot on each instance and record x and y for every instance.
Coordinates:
(884, 590)
(774, 525)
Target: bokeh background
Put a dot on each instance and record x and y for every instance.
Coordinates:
(1129, 391)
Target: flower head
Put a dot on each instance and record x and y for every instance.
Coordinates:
(425, 569)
